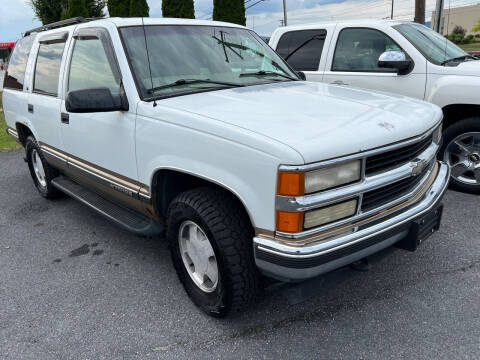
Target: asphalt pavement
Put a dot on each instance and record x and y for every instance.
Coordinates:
(75, 286)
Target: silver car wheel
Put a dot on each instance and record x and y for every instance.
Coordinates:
(198, 256)
(463, 156)
(38, 168)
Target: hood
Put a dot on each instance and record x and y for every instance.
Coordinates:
(470, 68)
(465, 68)
(319, 121)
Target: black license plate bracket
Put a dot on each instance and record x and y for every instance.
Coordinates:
(421, 229)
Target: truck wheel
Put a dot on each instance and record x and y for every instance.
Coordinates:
(210, 239)
(461, 150)
(42, 173)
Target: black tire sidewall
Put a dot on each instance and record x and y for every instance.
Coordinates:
(460, 127)
(47, 191)
(216, 302)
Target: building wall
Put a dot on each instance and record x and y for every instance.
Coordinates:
(465, 16)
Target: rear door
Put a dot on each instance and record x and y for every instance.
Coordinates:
(44, 101)
(354, 61)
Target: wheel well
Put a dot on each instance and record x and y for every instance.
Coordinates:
(23, 132)
(455, 112)
(168, 184)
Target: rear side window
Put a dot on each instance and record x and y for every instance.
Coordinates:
(302, 49)
(47, 68)
(15, 76)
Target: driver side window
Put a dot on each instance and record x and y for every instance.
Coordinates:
(358, 50)
(90, 67)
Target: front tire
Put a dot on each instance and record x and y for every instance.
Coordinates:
(461, 150)
(42, 173)
(210, 239)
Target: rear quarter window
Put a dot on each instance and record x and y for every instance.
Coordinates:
(302, 49)
(15, 76)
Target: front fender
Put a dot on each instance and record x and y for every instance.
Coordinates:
(455, 89)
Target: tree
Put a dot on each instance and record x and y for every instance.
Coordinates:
(476, 27)
(229, 10)
(48, 11)
(458, 30)
(118, 8)
(178, 9)
(138, 8)
(75, 8)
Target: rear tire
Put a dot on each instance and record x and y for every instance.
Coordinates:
(225, 225)
(461, 150)
(42, 173)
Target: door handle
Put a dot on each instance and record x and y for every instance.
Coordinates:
(338, 82)
(65, 118)
(30, 108)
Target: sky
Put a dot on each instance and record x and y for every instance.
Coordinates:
(264, 17)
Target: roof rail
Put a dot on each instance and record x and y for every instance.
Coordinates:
(75, 20)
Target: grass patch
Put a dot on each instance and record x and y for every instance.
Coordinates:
(6, 141)
(471, 47)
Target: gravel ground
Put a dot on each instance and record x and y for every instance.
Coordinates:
(74, 286)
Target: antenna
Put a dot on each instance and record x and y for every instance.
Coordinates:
(148, 59)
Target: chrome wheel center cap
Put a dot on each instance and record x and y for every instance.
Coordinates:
(474, 157)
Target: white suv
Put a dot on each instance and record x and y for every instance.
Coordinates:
(398, 57)
(200, 129)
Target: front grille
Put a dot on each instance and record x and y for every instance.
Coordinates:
(384, 195)
(390, 159)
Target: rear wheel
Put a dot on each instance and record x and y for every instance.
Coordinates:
(461, 150)
(210, 238)
(42, 173)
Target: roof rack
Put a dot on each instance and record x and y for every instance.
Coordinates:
(75, 20)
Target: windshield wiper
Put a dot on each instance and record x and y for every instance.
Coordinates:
(463, 57)
(181, 82)
(267, 73)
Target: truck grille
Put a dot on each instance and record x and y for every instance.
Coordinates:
(384, 195)
(390, 159)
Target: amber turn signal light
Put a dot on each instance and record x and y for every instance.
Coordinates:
(289, 221)
(291, 183)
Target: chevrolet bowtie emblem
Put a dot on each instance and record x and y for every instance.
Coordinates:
(418, 166)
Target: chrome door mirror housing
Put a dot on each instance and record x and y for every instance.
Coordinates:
(397, 60)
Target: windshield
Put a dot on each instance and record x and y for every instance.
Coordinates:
(182, 56)
(436, 48)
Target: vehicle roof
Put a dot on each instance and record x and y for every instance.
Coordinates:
(357, 22)
(119, 22)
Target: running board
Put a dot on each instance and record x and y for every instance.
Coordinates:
(129, 219)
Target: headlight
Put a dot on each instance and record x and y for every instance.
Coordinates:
(330, 214)
(437, 135)
(333, 176)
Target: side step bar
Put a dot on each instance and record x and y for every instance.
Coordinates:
(131, 220)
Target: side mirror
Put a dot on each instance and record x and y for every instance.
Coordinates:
(95, 100)
(301, 75)
(395, 60)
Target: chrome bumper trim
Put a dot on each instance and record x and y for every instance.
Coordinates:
(431, 197)
(13, 133)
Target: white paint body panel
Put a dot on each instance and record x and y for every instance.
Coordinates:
(234, 137)
(440, 85)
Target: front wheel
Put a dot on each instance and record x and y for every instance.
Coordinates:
(210, 239)
(461, 150)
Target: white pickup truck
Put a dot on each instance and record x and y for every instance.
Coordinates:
(403, 58)
(199, 128)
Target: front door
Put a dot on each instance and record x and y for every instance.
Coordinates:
(102, 144)
(354, 62)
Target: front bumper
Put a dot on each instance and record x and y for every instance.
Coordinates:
(288, 262)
